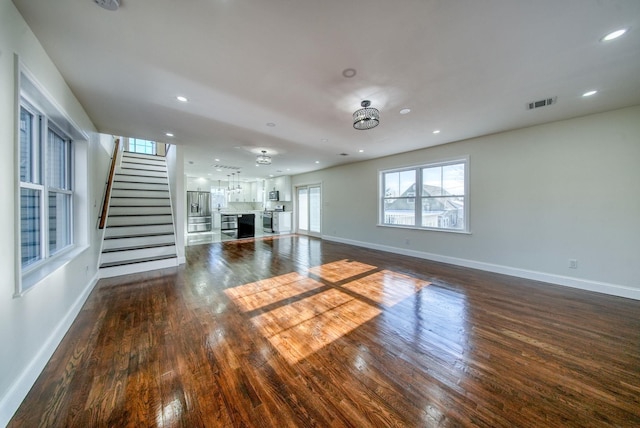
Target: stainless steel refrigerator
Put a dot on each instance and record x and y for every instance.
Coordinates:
(198, 212)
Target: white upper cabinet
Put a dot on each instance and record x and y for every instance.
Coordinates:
(258, 191)
(282, 184)
(249, 192)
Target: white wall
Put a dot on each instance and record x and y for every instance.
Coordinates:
(539, 196)
(32, 325)
(175, 169)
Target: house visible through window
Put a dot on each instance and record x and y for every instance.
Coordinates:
(428, 196)
(46, 193)
(137, 145)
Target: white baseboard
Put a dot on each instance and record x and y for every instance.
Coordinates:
(18, 391)
(567, 281)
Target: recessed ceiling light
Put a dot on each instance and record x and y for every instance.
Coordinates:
(613, 35)
(271, 124)
(317, 161)
(405, 111)
(270, 175)
(217, 160)
(349, 72)
(437, 131)
(588, 94)
(288, 169)
(361, 151)
(182, 99)
(169, 134)
(218, 170)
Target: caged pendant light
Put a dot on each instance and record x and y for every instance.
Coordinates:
(366, 117)
(263, 159)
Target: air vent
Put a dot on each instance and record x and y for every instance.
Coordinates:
(344, 154)
(541, 103)
(225, 167)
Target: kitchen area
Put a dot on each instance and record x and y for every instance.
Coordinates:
(219, 211)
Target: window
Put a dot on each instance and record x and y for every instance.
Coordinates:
(46, 192)
(430, 196)
(218, 198)
(137, 145)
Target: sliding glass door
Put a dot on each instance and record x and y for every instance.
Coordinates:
(308, 212)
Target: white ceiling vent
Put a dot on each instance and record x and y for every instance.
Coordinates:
(541, 103)
(108, 4)
(217, 166)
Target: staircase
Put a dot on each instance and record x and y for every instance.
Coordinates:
(140, 234)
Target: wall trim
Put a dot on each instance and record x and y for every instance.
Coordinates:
(567, 281)
(18, 391)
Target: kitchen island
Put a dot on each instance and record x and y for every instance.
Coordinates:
(229, 225)
(238, 225)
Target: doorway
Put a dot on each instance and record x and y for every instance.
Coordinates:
(308, 212)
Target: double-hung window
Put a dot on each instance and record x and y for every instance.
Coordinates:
(432, 196)
(138, 145)
(46, 193)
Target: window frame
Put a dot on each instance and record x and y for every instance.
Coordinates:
(135, 143)
(42, 126)
(418, 195)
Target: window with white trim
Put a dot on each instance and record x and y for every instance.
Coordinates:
(432, 196)
(138, 145)
(46, 194)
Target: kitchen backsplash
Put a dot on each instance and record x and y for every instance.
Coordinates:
(245, 206)
(288, 206)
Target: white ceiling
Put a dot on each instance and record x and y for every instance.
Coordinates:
(465, 67)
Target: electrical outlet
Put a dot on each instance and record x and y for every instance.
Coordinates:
(573, 264)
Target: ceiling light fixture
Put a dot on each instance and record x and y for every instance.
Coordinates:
(405, 111)
(349, 72)
(182, 99)
(366, 117)
(169, 134)
(613, 35)
(108, 4)
(588, 94)
(263, 159)
(437, 131)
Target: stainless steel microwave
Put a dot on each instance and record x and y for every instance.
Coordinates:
(274, 195)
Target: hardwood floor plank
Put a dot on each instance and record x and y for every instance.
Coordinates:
(299, 332)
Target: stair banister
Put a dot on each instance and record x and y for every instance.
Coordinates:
(107, 193)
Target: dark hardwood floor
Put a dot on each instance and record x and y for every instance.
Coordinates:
(294, 331)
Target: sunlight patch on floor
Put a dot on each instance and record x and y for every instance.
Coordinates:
(386, 287)
(298, 325)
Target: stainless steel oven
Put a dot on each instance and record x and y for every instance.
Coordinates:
(269, 218)
(267, 221)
